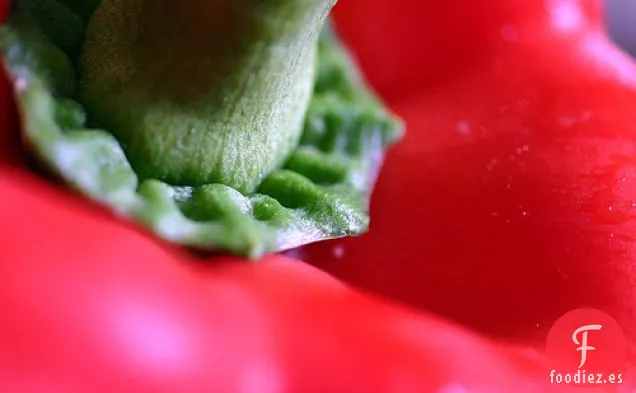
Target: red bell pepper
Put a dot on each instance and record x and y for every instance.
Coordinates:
(92, 304)
(512, 199)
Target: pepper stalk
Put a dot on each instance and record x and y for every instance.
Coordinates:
(205, 91)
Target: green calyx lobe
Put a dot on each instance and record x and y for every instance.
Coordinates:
(202, 91)
(167, 114)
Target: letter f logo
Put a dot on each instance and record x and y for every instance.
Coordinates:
(583, 343)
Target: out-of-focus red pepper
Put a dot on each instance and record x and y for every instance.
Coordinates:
(90, 304)
(513, 198)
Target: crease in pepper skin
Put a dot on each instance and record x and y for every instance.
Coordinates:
(310, 187)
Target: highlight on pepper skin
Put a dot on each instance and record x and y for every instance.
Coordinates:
(506, 204)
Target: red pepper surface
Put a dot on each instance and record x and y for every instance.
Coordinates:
(512, 199)
(92, 304)
(95, 306)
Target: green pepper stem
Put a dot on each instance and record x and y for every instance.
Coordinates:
(202, 91)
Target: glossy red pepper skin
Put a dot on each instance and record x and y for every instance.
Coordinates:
(93, 304)
(512, 199)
